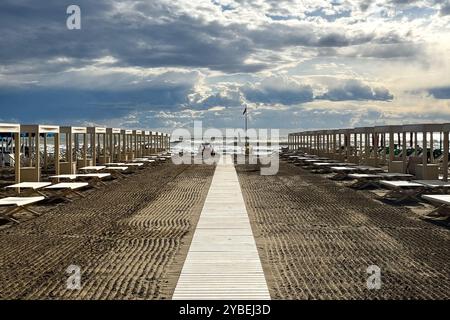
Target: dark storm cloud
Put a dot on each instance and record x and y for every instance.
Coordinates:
(67, 105)
(148, 34)
(445, 9)
(355, 90)
(296, 95)
(440, 92)
(32, 30)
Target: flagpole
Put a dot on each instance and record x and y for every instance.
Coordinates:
(246, 136)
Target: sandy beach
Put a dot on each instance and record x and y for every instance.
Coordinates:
(316, 238)
(129, 238)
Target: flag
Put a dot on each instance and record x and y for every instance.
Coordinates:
(245, 110)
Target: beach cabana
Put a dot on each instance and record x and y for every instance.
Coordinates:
(113, 138)
(446, 147)
(39, 155)
(146, 138)
(158, 136)
(72, 136)
(137, 143)
(97, 141)
(10, 148)
(392, 141)
(127, 153)
(425, 158)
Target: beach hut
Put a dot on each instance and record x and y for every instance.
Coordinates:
(168, 141)
(445, 133)
(97, 142)
(39, 155)
(72, 136)
(137, 143)
(158, 137)
(10, 148)
(127, 153)
(113, 138)
(146, 135)
(391, 141)
(423, 162)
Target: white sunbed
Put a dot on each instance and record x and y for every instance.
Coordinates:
(369, 169)
(435, 184)
(31, 186)
(93, 168)
(65, 176)
(393, 175)
(364, 180)
(67, 188)
(342, 172)
(96, 177)
(442, 201)
(402, 190)
(18, 204)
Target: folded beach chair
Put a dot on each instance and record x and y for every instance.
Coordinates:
(309, 163)
(30, 187)
(402, 190)
(396, 176)
(92, 178)
(144, 160)
(364, 180)
(325, 167)
(95, 178)
(342, 172)
(18, 204)
(93, 168)
(435, 185)
(117, 171)
(368, 169)
(64, 189)
(442, 201)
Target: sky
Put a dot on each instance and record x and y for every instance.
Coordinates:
(294, 64)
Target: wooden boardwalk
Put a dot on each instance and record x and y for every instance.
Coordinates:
(223, 261)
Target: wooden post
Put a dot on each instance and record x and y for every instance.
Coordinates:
(17, 157)
(69, 150)
(38, 156)
(424, 155)
(446, 151)
(57, 152)
(404, 158)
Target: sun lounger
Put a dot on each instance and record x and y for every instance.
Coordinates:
(144, 160)
(402, 190)
(394, 176)
(18, 204)
(31, 187)
(442, 201)
(65, 177)
(364, 180)
(82, 176)
(93, 168)
(325, 167)
(435, 185)
(342, 172)
(93, 178)
(368, 169)
(64, 189)
(117, 171)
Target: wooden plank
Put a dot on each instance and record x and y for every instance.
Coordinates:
(223, 261)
